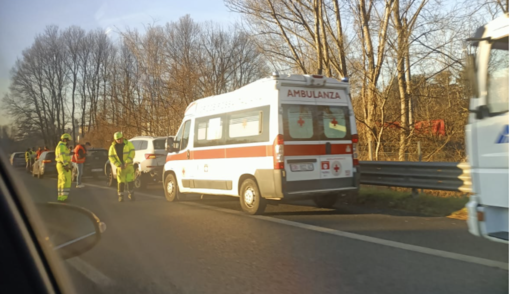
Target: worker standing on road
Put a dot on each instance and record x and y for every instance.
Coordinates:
(63, 159)
(121, 154)
(39, 152)
(28, 160)
(79, 157)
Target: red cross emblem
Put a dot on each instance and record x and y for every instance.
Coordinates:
(336, 168)
(301, 122)
(334, 122)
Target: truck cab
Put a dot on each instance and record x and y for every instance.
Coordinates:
(487, 132)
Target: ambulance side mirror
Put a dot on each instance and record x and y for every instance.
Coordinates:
(169, 145)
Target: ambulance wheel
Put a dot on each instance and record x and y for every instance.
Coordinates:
(250, 198)
(171, 188)
(326, 201)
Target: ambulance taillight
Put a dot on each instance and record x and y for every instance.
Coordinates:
(278, 157)
(355, 161)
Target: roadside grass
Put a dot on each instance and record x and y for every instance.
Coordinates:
(450, 205)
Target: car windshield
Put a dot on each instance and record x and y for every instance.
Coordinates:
(159, 144)
(254, 146)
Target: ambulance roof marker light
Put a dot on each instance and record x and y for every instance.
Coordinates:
(345, 79)
(275, 75)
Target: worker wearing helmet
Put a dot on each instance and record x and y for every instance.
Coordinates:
(121, 155)
(28, 161)
(63, 160)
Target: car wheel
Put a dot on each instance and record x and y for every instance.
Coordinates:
(111, 178)
(326, 201)
(171, 188)
(140, 180)
(250, 198)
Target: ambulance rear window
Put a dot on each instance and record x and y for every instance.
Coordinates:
(298, 122)
(315, 123)
(334, 121)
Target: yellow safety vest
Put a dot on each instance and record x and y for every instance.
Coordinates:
(62, 154)
(128, 153)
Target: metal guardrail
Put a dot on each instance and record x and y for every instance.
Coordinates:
(447, 176)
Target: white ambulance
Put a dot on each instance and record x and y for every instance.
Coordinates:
(280, 138)
(487, 132)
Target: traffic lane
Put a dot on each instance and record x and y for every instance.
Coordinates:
(433, 232)
(174, 248)
(155, 246)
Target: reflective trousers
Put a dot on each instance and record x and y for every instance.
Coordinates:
(125, 177)
(63, 182)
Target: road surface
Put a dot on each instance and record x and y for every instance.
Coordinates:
(209, 246)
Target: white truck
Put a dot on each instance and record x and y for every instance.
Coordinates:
(487, 132)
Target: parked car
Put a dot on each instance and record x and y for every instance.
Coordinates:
(94, 164)
(45, 165)
(150, 157)
(18, 159)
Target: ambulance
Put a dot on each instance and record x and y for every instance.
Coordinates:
(487, 132)
(283, 138)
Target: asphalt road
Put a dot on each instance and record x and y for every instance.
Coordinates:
(209, 246)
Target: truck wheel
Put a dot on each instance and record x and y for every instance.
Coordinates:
(250, 198)
(111, 178)
(171, 188)
(326, 201)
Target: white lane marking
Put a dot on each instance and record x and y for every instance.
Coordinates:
(90, 272)
(389, 243)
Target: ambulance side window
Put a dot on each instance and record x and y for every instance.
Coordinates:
(248, 126)
(185, 135)
(178, 137)
(209, 131)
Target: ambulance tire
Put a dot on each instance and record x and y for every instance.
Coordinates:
(325, 201)
(171, 188)
(250, 199)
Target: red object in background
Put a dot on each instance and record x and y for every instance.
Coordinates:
(435, 126)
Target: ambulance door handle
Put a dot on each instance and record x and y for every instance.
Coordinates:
(328, 148)
(187, 154)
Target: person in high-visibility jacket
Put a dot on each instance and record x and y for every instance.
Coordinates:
(63, 160)
(121, 155)
(28, 160)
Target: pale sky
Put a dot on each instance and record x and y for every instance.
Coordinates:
(22, 20)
